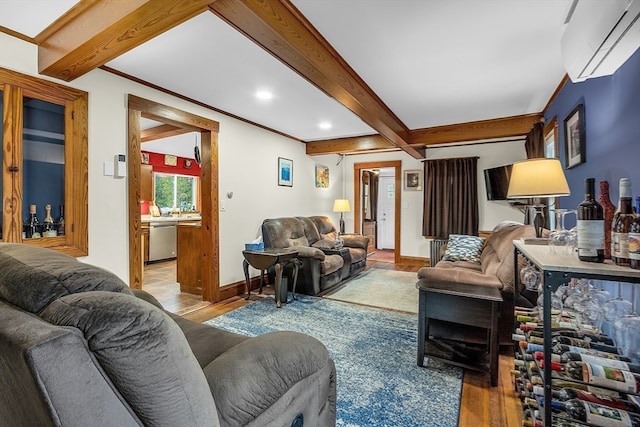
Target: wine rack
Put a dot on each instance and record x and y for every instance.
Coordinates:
(557, 269)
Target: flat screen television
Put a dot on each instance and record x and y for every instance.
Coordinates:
(497, 182)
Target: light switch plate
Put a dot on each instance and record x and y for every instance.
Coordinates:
(107, 168)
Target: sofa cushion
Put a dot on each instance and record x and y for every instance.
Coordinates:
(324, 244)
(49, 276)
(331, 264)
(143, 352)
(464, 248)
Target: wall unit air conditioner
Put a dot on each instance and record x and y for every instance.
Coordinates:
(600, 37)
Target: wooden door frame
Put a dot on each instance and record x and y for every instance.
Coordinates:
(357, 190)
(137, 108)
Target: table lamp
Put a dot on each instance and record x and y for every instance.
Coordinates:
(537, 178)
(341, 205)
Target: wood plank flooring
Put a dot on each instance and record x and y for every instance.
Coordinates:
(480, 404)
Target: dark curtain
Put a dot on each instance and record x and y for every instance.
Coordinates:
(534, 144)
(450, 197)
(373, 191)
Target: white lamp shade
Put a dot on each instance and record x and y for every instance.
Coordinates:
(537, 178)
(341, 205)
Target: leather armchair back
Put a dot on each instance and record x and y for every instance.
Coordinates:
(283, 233)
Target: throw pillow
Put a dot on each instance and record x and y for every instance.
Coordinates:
(464, 248)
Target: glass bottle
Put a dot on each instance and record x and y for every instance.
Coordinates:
(60, 222)
(48, 229)
(621, 228)
(595, 414)
(32, 226)
(609, 210)
(590, 225)
(634, 239)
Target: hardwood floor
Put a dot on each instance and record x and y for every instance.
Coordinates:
(480, 404)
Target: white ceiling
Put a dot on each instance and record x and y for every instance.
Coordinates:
(432, 62)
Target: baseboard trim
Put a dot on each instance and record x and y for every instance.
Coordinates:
(414, 260)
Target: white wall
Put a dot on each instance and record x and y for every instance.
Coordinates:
(247, 162)
(248, 167)
(412, 244)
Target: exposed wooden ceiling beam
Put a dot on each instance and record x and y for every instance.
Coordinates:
(351, 145)
(94, 32)
(160, 132)
(505, 127)
(279, 28)
(474, 131)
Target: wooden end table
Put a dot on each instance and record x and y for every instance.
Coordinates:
(263, 260)
(459, 304)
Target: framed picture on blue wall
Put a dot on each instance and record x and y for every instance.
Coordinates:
(285, 172)
(574, 138)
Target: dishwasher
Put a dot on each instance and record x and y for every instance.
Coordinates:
(162, 240)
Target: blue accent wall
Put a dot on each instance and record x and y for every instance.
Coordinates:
(612, 127)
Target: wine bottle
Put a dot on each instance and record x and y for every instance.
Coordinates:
(620, 235)
(597, 415)
(616, 379)
(48, 230)
(634, 239)
(562, 348)
(565, 394)
(625, 365)
(586, 335)
(590, 225)
(561, 339)
(32, 226)
(60, 222)
(609, 210)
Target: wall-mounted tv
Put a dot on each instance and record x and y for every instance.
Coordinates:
(497, 182)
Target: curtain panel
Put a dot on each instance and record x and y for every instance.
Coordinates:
(450, 197)
(534, 143)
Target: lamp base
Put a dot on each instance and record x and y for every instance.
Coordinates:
(341, 224)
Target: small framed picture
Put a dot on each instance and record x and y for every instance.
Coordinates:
(145, 158)
(413, 180)
(285, 172)
(322, 176)
(574, 138)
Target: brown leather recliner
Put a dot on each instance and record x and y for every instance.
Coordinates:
(355, 243)
(496, 269)
(321, 265)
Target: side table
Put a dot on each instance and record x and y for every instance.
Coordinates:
(459, 304)
(263, 260)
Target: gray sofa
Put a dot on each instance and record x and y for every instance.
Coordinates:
(323, 266)
(78, 347)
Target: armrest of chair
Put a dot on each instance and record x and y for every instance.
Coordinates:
(268, 379)
(355, 240)
(458, 275)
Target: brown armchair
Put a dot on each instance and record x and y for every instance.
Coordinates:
(496, 269)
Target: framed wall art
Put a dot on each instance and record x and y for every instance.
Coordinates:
(285, 172)
(413, 180)
(574, 137)
(322, 176)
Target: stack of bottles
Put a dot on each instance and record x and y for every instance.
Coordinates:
(593, 384)
(624, 228)
(34, 229)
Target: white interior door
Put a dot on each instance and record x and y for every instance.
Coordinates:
(386, 211)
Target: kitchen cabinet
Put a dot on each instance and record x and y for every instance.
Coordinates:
(189, 257)
(369, 230)
(29, 176)
(145, 239)
(146, 183)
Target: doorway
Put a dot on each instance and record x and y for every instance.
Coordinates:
(385, 230)
(208, 130)
(396, 167)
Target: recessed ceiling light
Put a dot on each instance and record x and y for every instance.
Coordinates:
(263, 94)
(325, 125)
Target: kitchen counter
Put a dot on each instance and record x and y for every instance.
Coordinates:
(184, 217)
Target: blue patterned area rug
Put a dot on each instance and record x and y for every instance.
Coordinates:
(379, 383)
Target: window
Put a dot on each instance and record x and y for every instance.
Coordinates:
(174, 191)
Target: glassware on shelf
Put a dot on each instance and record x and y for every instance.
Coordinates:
(617, 307)
(561, 240)
(627, 332)
(530, 277)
